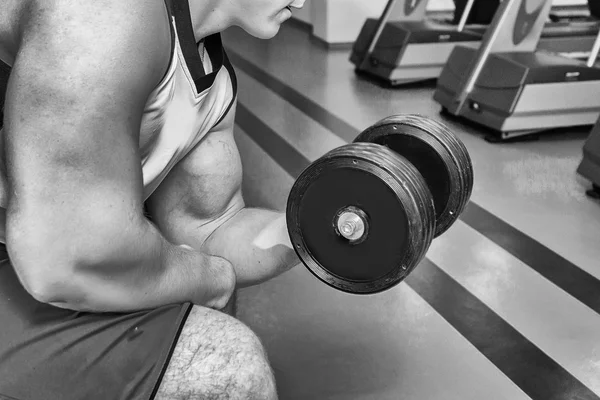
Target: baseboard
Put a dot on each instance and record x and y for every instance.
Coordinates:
(306, 27)
(331, 46)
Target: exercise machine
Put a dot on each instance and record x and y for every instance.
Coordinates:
(594, 7)
(571, 31)
(509, 86)
(479, 13)
(589, 166)
(406, 47)
(412, 48)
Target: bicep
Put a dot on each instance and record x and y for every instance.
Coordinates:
(72, 115)
(204, 189)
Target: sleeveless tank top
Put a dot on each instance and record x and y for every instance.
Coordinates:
(197, 91)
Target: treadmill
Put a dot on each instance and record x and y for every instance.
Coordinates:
(589, 167)
(514, 89)
(572, 30)
(407, 50)
(399, 51)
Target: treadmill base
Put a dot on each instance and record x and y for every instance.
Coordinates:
(511, 137)
(594, 192)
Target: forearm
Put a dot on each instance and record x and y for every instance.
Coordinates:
(148, 276)
(256, 242)
(137, 270)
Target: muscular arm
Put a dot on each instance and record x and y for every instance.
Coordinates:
(257, 244)
(200, 204)
(76, 232)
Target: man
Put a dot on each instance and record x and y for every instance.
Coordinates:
(122, 214)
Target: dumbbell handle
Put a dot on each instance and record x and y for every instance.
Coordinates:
(351, 226)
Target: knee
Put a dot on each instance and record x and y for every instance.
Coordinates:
(222, 359)
(250, 375)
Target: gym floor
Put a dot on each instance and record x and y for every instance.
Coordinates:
(506, 304)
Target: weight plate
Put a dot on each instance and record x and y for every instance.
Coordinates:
(395, 216)
(439, 156)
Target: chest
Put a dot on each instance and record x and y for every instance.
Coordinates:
(179, 112)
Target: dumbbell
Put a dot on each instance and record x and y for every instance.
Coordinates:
(363, 216)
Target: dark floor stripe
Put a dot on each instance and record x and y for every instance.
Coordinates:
(336, 125)
(564, 274)
(271, 142)
(536, 374)
(520, 360)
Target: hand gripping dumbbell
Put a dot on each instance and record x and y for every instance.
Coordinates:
(362, 217)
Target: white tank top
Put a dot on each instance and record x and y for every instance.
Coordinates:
(193, 97)
(195, 94)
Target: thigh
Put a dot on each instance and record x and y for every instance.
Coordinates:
(52, 353)
(217, 357)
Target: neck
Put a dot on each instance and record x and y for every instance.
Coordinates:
(209, 17)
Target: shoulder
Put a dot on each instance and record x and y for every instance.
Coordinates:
(119, 14)
(135, 32)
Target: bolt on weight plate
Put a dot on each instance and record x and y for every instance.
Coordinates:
(360, 218)
(439, 156)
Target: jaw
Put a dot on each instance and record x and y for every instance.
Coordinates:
(213, 16)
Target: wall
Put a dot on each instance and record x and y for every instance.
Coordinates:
(304, 13)
(340, 21)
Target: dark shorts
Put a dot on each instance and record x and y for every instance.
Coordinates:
(47, 353)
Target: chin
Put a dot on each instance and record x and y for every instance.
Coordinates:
(267, 31)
